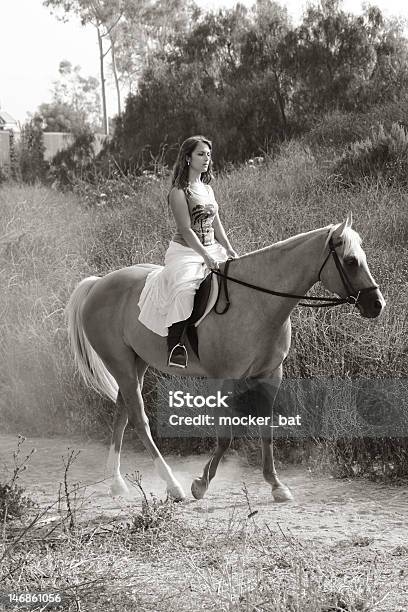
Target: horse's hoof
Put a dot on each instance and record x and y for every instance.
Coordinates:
(198, 488)
(176, 493)
(119, 488)
(282, 494)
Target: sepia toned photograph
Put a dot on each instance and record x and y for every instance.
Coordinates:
(204, 288)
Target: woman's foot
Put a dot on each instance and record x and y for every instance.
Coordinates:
(177, 353)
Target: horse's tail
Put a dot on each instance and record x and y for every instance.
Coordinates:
(89, 364)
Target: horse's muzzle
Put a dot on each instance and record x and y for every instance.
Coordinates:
(371, 304)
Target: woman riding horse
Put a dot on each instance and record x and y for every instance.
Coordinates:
(113, 348)
(199, 245)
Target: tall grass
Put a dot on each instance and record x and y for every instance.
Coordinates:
(49, 241)
(43, 235)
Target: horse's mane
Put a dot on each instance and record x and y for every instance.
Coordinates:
(350, 241)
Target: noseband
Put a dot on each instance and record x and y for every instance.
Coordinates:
(353, 296)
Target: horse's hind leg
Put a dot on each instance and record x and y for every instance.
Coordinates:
(128, 370)
(130, 385)
(118, 486)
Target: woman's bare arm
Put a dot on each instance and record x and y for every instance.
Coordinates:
(220, 234)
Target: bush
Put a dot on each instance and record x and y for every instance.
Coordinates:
(383, 156)
(33, 167)
(338, 129)
(74, 162)
(13, 502)
(4, 175)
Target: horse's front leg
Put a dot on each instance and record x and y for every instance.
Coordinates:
(200, 484)
(267, 390)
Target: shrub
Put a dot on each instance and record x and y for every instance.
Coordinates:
(384, 156)
(13, 502)
(33, 167)
(339, 129)
(74, 162)
(3, 174)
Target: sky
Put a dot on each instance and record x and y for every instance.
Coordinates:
(33, 42)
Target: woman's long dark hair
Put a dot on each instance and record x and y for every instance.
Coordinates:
(179, 177)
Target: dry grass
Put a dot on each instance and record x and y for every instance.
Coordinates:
(42, 244)
(186, 561)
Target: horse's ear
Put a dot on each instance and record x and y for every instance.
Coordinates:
(340, 229)
(349, 219)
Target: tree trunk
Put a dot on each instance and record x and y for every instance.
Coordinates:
(102, 73)
(115, 75)
(281, 104)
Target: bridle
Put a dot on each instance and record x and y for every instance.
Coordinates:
(353, 296)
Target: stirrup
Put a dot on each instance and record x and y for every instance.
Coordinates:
(179, 358)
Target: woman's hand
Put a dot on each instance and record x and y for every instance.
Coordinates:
(232, 253)
(211, 263)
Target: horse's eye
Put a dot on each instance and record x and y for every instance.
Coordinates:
(351, 262)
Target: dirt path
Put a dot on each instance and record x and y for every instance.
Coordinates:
(324, 509)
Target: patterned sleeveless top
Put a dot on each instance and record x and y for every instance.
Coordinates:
(202, 207)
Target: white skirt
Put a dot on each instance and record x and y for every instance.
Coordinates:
(168, 294)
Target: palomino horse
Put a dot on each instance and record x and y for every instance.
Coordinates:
(250, 341)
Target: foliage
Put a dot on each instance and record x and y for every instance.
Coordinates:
(384, 156)
(146, 28)
(104, 15)
(15, 171)
(247, 76)
(13, 501)
(338, 129)
(60, 117)
(33, 167)
(155, 513)
(383, 458)
(344, 61)
(73, 163)
(202, 85)
(4, 175)
(75, 102)
(253, 80)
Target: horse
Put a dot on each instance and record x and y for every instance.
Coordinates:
(250, 341)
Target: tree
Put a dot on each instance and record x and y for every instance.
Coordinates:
(75, 104)
(250, 78)
(147, 28)
(261, 60)
(338, 60)
(59, 117)
(205, 81)
(130, 30)
(104, 15)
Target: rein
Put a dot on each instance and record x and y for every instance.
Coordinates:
(325, 302)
